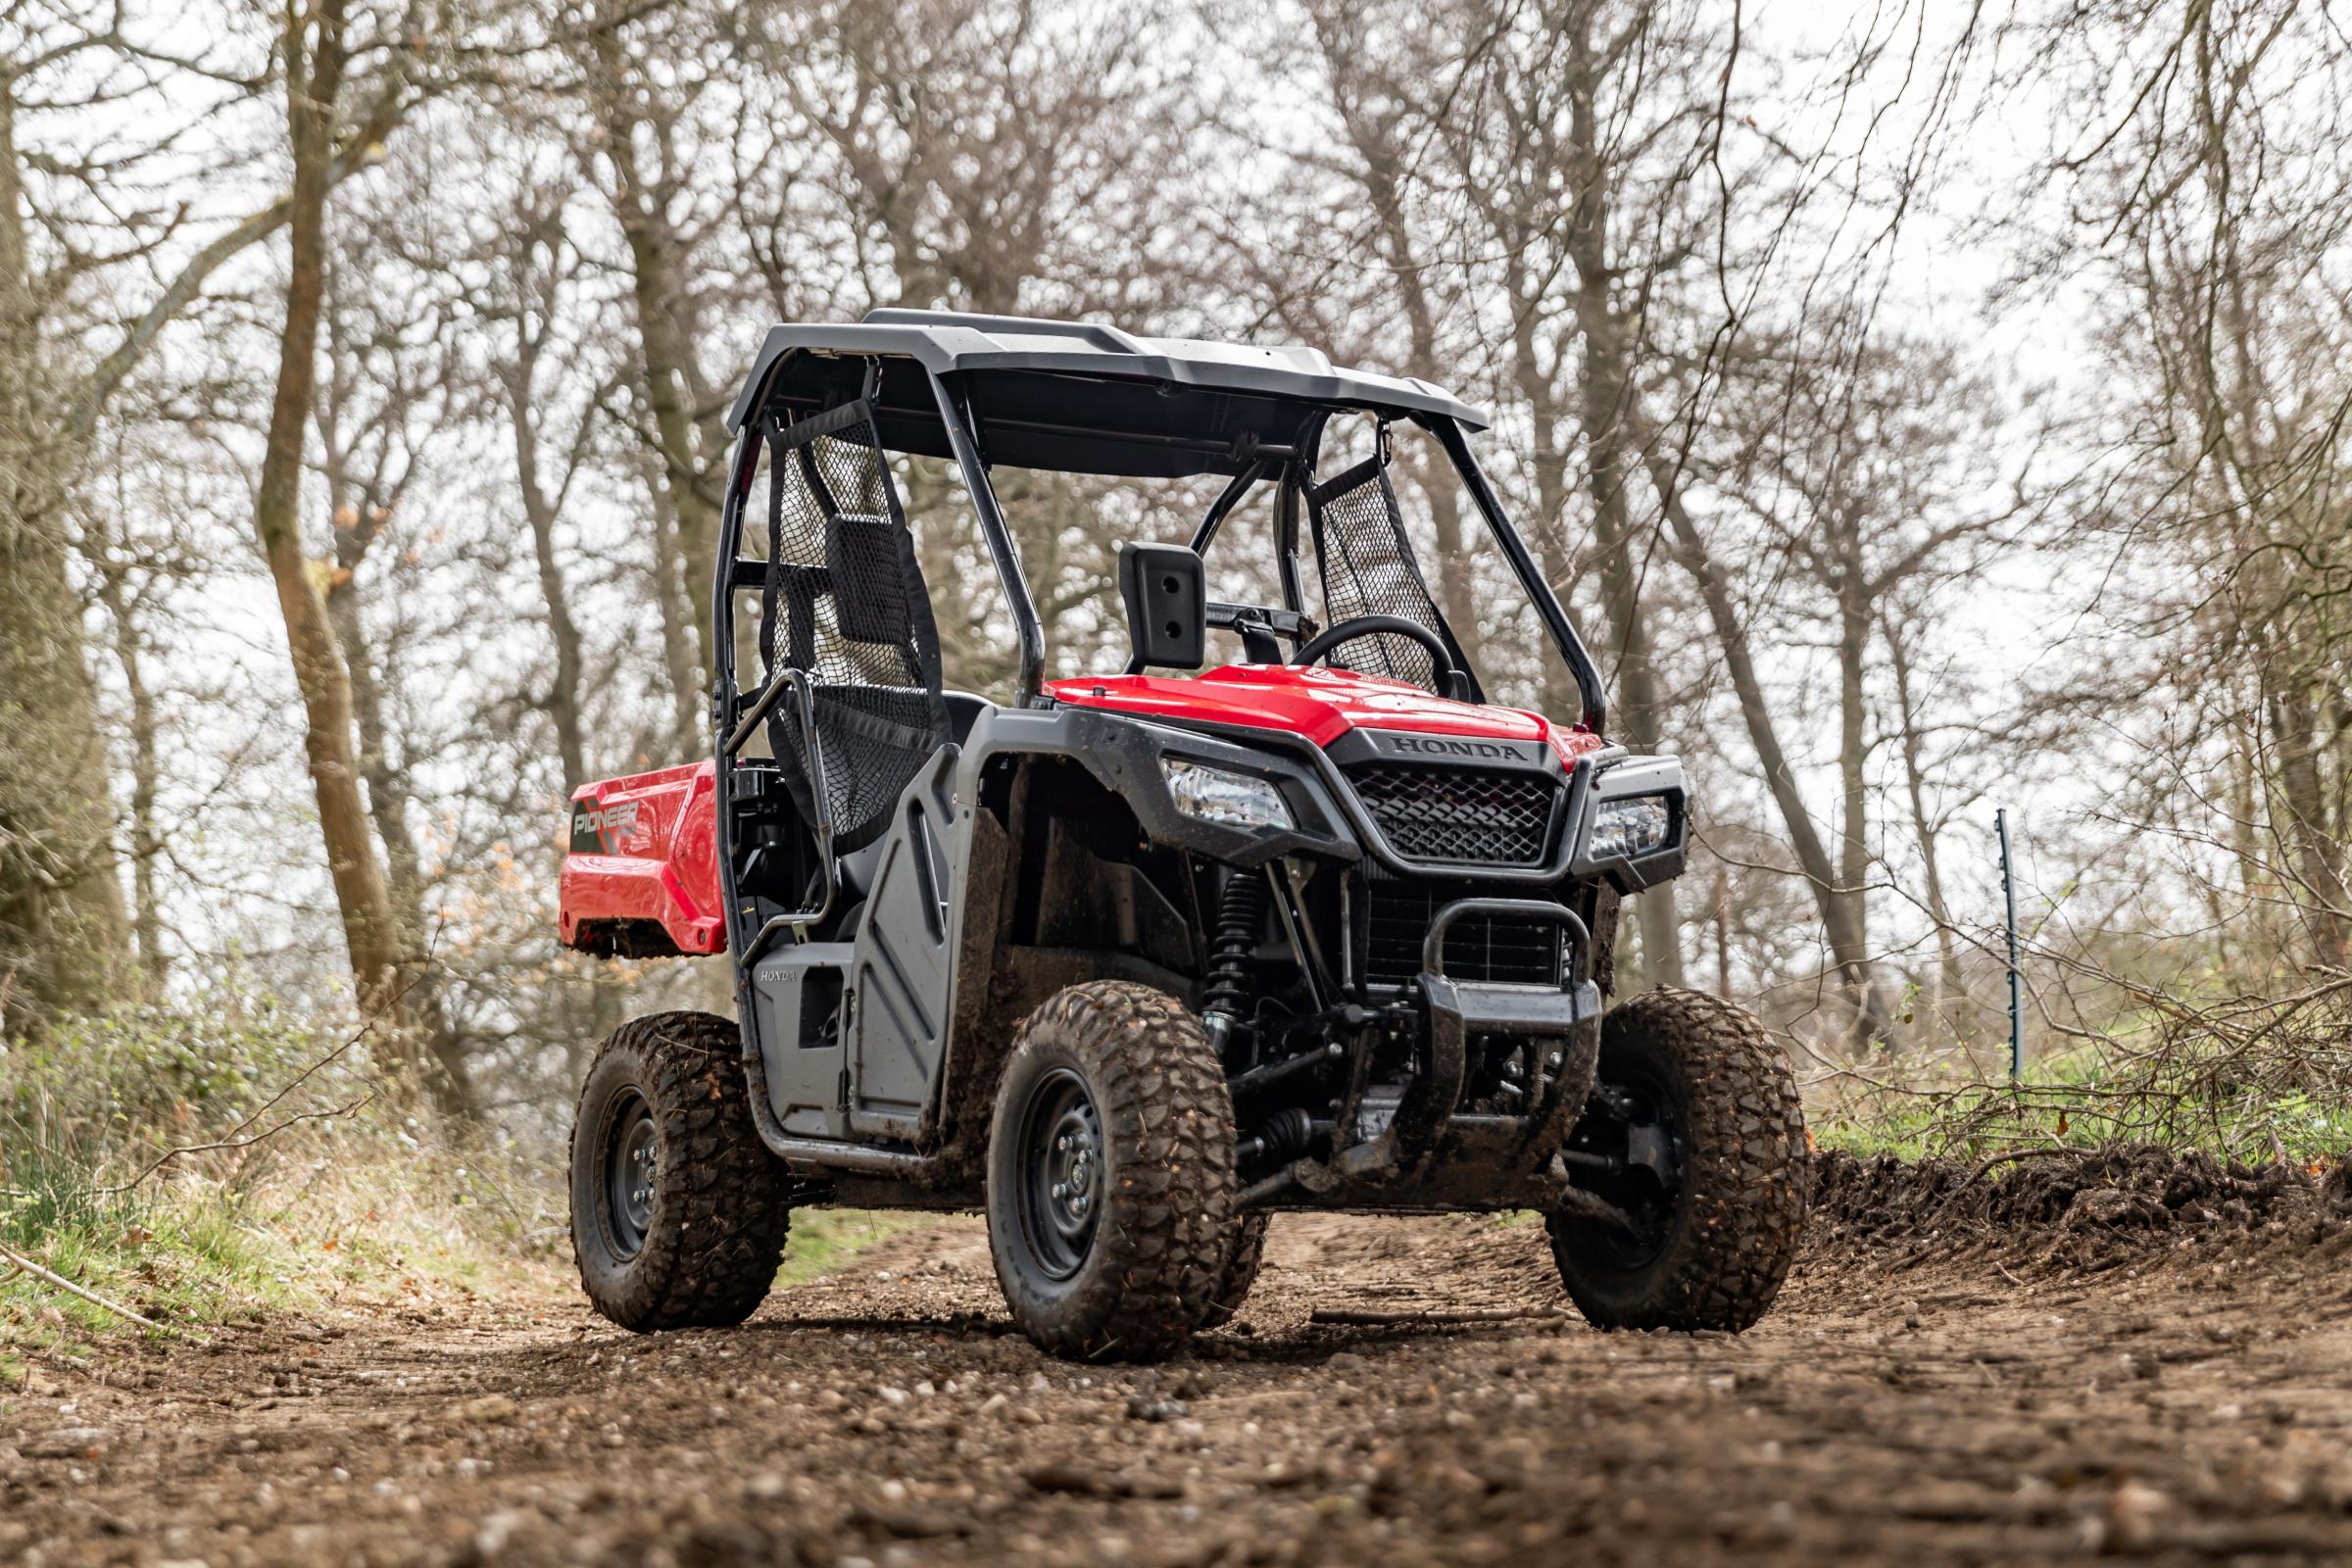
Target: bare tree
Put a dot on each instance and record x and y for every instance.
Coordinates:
(63, 357)
(999, 158)
(2202, 155)
(1557, 150)
(317, 47)
(1860, 484)
(643, 160)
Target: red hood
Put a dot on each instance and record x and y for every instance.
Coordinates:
(1318, 704)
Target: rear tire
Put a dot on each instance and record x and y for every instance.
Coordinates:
(678, 1210)
(1241, 1271)
(1110, 1174)
(1702, 1088)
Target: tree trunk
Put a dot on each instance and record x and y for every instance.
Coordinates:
(1548, 459)
(313, 53)
(1457, 589)
(448, 1081)
(1606, 392)
(2318, 853)
(1923, 831)
(563, 702)
(64, 941)
(1853, 774)
(687, 543)
(146, 916)
(1723, 929)
(1848, 950)
(674, 604)
(662, 366)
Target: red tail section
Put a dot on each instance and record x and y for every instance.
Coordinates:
(641, 880)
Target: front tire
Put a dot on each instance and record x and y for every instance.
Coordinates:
(678, 1210)
(1110, 1174)
(1700, 1105)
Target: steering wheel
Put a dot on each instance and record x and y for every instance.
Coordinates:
(1441, 661)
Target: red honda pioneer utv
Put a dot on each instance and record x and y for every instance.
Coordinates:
(1136, 960)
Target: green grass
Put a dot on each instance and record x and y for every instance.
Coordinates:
(2083, 1100)
(197, 1263)
(347, 1199)
(193, 1255)
(297, 1178)
(825, 1241)
(350, 1217)
(183, 1260)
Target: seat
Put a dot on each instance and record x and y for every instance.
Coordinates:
(963, 711)
(847, 608)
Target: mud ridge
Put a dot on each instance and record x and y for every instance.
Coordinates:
(2086, 1209)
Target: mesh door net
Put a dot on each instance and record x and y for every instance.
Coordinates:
(844, 602)
(1368, 568)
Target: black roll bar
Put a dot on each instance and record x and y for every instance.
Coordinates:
(727, 736)
(1229, 498)
(1523, 567)
(956, 414)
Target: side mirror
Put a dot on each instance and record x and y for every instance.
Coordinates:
(1167, 606)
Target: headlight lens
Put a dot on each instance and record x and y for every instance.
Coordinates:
(1214, 795)
(1623, 829)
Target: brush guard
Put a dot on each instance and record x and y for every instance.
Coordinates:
(1430, 1155)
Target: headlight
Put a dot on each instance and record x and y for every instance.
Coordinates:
(1214, 795)
(1625, 828)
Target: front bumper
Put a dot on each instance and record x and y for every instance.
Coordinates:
(1429, 1154)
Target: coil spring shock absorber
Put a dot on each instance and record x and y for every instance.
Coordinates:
(1241, 908)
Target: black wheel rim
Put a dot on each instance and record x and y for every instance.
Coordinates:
(1061, 1172)
(631, 1153)
(1635, 1120)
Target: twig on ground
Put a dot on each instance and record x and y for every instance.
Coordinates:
(1985, 1164)
(26, 1265)
(2293, 1169)
(2007, 1155)
(1935, 1244)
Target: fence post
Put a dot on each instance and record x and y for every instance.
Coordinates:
(2016, 988)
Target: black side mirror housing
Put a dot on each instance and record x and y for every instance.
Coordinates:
(1167, 607)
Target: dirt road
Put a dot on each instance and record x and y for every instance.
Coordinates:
(2189, 1398)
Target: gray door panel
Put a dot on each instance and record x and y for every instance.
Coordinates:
(798, 992)
(903, 961)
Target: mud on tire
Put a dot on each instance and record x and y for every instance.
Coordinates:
(1249, 1254)
(1110, 1174)
(678, 1210)
(1715, 1248)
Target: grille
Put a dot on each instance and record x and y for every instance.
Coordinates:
(1469, 815)
(1479, 947)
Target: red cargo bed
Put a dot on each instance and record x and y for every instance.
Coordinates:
(641, 880)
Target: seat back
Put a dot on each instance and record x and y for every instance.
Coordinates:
(1368, 569)
(844, 602)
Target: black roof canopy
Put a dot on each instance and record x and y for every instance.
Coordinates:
(1078, 397)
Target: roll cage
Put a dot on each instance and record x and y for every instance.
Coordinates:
(1084, 398)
